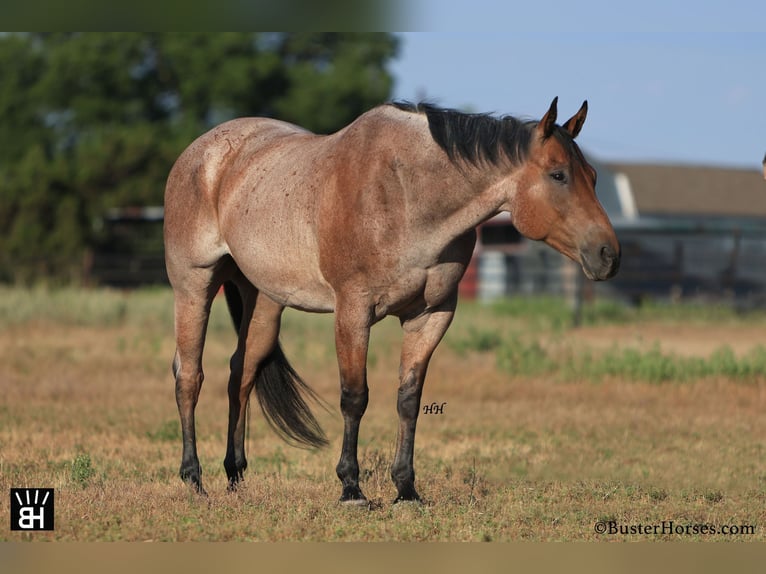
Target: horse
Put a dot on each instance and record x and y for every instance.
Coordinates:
(376, 219)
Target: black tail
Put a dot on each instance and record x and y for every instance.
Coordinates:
(234, 303)
(280, 389)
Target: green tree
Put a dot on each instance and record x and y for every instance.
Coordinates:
(92, 121)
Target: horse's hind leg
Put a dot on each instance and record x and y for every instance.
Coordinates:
(193, 298)
(258, 334)
(421, 336)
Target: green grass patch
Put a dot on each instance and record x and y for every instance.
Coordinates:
(655, 366)
(169, 431)
(545, 312)
(82, 470)
(522, 358)
(475, 340)
(531, 336)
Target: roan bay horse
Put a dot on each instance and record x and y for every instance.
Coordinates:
(377, 219)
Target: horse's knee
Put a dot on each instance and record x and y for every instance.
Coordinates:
(408, 399)
(188, 386)
(353, 400)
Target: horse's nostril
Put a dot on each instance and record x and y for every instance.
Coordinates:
(610, 259)
(608, 253)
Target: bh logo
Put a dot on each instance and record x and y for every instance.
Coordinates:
(32, 509)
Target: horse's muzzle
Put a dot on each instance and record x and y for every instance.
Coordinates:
(603, 264)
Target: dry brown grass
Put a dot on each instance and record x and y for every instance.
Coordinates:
(512, 457)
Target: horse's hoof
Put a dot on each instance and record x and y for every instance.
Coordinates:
(353, 496)
(355, 503)
(408, 495)
(407, 502)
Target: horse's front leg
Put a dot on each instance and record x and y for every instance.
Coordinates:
(421, 336)
(352, 335)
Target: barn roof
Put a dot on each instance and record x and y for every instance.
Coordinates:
(683, 190)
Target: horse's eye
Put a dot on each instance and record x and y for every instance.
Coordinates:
(559, 176)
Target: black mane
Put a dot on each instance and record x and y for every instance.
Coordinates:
(475, 137)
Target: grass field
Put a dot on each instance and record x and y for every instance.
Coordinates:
(649, 421)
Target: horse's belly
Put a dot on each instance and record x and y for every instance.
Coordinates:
(287, 276)
(305, 299)
(304, 293)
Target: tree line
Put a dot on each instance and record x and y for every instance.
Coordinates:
(93, 121)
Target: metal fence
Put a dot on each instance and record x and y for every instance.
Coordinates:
(713, 260)
(131, 252)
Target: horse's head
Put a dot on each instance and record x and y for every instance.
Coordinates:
(555, 199)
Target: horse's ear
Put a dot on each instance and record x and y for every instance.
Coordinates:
(548, 123)
(574, 125)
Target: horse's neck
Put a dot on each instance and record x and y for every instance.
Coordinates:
(450, 201)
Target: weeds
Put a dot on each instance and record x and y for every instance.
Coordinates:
(82, 470)
(471, 478)
(476, 340)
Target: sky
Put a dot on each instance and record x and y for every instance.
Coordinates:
(664, 84)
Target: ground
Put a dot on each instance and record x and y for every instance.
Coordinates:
(519, 453)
